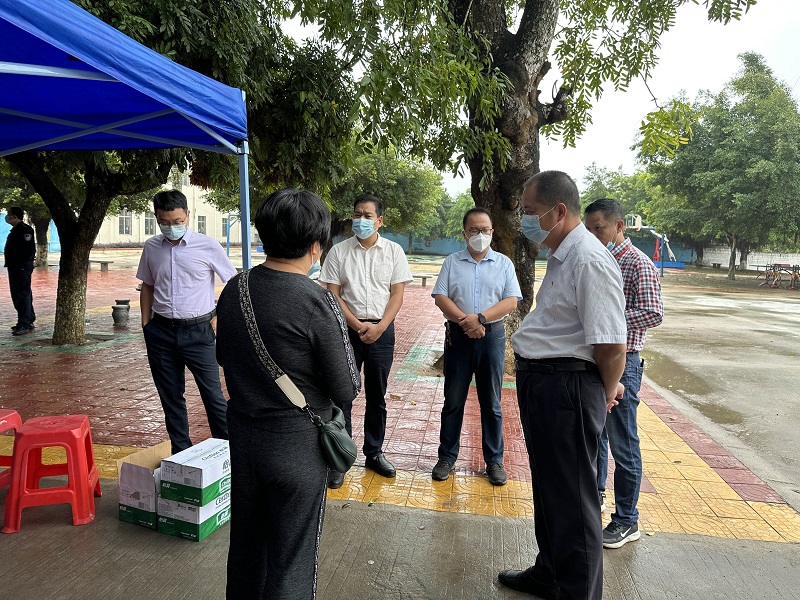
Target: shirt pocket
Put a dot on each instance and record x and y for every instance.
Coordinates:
(383, 270)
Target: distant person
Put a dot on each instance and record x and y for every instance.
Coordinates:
(279, 472)
(476, 289)
(177, 270)
(570, 353)
(368, 274)
(644, 308)
(20, 252)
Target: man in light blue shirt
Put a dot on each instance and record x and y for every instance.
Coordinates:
(476, 289)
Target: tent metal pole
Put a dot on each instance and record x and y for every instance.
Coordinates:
(244, 203)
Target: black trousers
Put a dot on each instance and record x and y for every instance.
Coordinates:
(19, 282)
(376, 358)
(562, 415)
(278, 485)
(170, 350)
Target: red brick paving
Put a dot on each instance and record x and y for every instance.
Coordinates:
(111, 383)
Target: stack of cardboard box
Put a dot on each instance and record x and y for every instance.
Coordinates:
(186, 495)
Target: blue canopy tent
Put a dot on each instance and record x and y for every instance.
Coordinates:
(69, 81)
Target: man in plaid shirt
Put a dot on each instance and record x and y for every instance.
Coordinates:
(643, 309)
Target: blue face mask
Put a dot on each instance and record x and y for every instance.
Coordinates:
(173, 232)
(363, 228)
(532, 230)
(610, 245)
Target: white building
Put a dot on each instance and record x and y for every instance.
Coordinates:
(204, 218)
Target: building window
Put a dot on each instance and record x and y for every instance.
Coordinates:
(201, 224)
(224, 225)
(149, 224)
(125, 221)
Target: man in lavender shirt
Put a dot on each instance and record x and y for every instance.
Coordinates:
(179, 316)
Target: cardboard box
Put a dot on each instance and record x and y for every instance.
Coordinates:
(193, 522)
(197, 475)
(139, 485)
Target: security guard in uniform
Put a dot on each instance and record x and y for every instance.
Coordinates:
(19, 253)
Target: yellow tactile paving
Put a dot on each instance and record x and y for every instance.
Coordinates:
(781, 517)
(690, 497)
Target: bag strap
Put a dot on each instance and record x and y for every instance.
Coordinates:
(295, 396)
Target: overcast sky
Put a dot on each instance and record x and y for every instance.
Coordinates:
(694, 55)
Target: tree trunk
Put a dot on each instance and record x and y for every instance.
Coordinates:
(41, 226)
(410, 240)
(522, 57)
(732, 241)
(744, 250)
(699, 248)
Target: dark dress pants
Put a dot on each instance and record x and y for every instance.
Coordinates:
(170, 350)
(485, 357)
(376, 359)
(562, 414)
(19, 284)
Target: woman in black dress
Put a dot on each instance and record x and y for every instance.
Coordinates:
(278, 472)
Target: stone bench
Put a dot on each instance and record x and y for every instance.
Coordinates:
(103, 263)
(716, 265)
(424, 277)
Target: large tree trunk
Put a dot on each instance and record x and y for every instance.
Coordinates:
(41, 225)
(77, 232)
(523, 58)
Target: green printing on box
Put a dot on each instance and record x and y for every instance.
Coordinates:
(198, 474)
(193, 495)
(137, 516)
(194, 531)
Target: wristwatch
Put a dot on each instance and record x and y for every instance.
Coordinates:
(481, 319)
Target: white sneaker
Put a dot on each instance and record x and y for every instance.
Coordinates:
(602, 502)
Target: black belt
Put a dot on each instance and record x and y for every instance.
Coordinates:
(185, 322)
(551, 365)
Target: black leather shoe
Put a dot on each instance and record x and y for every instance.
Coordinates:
(524, 581)
(380, 465)
(335, 479)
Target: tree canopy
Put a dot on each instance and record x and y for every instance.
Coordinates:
(739, 178)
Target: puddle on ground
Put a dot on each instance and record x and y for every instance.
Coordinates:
(670, 375)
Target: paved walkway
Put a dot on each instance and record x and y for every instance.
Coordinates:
(692, 485)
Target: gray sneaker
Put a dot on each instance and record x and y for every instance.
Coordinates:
(496, 474)
(616, 535)
(442, 470)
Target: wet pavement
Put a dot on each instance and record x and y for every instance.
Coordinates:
(701, 505)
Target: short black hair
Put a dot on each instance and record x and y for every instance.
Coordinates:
(17, 212)
(611, 209)
(473, 211)
(290, 221)
(170, 200)
(364, 198)
(553, 187)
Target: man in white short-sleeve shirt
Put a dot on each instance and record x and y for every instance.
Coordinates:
(368, 274)
(570, 355)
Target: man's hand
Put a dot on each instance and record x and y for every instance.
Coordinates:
(612, 402)
(471, 326)
(370, 332)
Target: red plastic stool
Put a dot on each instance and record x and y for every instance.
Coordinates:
(9, 419)
(72, 433)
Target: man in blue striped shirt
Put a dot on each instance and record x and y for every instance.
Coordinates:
(476, 289)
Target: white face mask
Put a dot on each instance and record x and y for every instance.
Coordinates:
(480, 242)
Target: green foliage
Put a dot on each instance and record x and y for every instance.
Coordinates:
(411, 191)
(455, 215)
(739, 178)
(611, 43)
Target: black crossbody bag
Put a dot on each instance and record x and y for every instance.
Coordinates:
(337, 445)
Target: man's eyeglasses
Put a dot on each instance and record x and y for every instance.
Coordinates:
(174, 223)
(476, 231)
